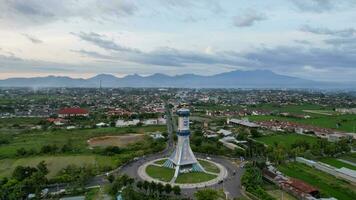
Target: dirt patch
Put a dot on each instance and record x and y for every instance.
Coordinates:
(119, 141)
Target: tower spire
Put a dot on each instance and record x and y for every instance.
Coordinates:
(183, 159)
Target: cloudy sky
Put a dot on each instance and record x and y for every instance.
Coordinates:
(312, 39)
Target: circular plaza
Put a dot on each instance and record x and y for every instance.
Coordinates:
(156, 171)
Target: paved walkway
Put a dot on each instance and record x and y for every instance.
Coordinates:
(220, 176)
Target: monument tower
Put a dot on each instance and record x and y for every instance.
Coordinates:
(183, 159)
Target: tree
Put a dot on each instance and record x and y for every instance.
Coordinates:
(168, 188)
(176, 190)
(160, 188)
(207, 194)
(139, 184)
(111, 178)
(42, 167)
(146, 185)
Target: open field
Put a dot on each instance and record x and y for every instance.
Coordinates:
(119, 141)
(328, 185)
(346, 122)
(78, 138)
(337, 163)
(210, 167)
(194, 177)
(55, 163)
(286, 139)
(160, 173)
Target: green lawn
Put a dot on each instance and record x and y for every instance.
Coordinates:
(328, 185)
(336, 163)
(286, 139)
(56, 163)
(347, 122)
(36, 139)
(209, 166)
(160, 173)
(194, 177)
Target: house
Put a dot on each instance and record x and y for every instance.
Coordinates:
(210, 134)
(335, 137)
(73, 112)
(244, 123)
(123, 123)
(102, 124)
(57, 121)
(224, 132)
(157, 135)
(150, 122)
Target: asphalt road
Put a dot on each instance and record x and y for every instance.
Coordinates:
(231, 185)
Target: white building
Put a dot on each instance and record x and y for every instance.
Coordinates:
(224, 132)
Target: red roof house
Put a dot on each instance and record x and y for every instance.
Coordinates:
(73, 112)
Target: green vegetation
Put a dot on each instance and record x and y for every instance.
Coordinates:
(194, 177)
(252, 181)
(339, 122)
(328, 185)
(209, 194)
(349, 157)
(337, 163)
(56, 163)
(160, 173)
(34, 140)
(208, 166)
(286, 139)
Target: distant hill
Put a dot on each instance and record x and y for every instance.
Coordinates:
(233, 79)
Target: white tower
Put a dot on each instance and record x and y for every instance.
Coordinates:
(183, 159)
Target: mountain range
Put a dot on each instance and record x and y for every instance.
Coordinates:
(233, 79)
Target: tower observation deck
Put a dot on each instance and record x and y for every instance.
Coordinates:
(183, 159)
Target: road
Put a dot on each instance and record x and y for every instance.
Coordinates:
(231, 185)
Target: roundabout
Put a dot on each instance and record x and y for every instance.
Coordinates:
(155, 171)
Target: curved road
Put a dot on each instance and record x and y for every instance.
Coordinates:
(231, 185)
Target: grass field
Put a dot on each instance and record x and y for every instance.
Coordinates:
(328, 185)
(347, 122)
(160, 173)
(194, 177)
(55, 163)
(336, 163)
(209, 166)
(286, 139)
(36, 139)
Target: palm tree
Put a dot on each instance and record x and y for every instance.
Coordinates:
(167, 188)
(176, 190)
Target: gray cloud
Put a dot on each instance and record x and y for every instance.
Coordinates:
(101, 41)
(349, 32)
(282, 57)
(33, 39)
(320, 6)
(248, 19)
(36, 12)
(314, 5)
